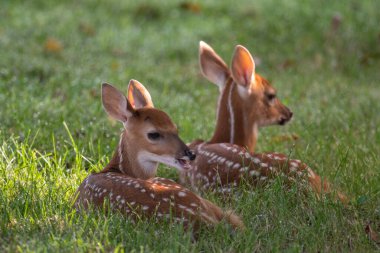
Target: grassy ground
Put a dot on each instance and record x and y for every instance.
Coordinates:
(322, 56)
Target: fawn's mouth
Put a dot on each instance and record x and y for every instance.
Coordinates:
(283, 121)
(184, 162)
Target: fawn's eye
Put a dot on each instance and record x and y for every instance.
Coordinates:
(154, 136)
(271, 96)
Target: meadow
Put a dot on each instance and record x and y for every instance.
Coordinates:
(322, 56)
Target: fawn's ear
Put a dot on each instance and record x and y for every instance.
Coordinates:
(115, 103)
(212, 66)
(243, 67)
(138, 95)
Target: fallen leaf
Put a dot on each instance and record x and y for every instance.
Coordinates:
(53, 45)
(115, 65)
(287, 64)
(148, 12)
(372, 234)
(192, 7)
(87, 29)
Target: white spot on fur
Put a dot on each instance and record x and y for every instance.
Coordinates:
(182, 206)
(256, 160)
(182, 194)
(254, 173)
(244, 169)
(294, 164)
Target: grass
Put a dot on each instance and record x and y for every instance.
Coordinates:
(53, 131)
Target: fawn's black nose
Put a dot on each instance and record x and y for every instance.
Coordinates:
(190, 154)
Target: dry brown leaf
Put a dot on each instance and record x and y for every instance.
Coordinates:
(115, 65)
(87, 29)
(372, 234)
(287, 64)
(53, 45)
(192, 7)
(148, 12)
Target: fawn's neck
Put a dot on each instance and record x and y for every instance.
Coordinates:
(232, 125)
(126, 161)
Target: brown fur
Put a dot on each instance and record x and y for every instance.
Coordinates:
(223, 170)
(221, 167)
(126, 184)
(239, 113)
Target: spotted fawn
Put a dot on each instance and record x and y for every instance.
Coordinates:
(127, 183)
(246, 102)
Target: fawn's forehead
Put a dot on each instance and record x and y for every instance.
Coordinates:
(157, 118)
(264, 84)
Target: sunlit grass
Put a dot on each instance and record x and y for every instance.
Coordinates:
(322, 57)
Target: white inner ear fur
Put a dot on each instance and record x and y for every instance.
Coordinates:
(221, 82)
(244, 91)
(214, 74)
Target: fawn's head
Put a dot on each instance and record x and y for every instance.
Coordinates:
(149, 134)
(256, 97)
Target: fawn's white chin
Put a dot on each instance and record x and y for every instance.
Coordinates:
(180, 164)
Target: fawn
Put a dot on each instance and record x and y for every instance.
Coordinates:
(246, 102)
(127, 183)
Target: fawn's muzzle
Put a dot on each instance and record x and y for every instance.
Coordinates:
(284, 119)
